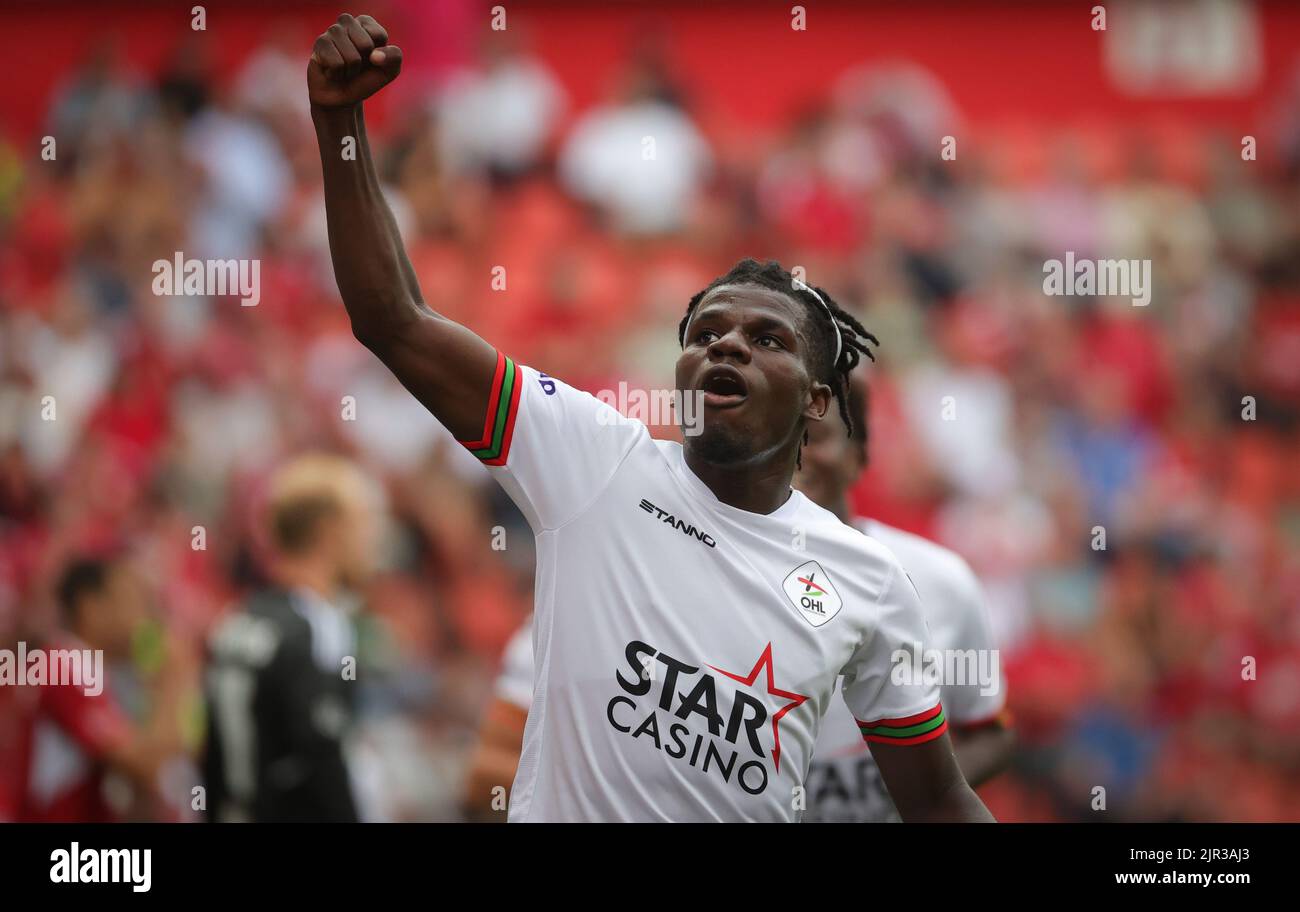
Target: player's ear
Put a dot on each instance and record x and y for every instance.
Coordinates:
(819, 402)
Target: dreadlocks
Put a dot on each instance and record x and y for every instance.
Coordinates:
(832, 371)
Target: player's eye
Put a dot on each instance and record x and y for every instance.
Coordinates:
(767, 340)
(705, 336)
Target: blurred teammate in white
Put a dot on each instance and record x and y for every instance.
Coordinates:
(844, 783)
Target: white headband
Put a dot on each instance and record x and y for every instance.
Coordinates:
(839, 341)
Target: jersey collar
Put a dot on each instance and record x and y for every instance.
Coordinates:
(702, 492)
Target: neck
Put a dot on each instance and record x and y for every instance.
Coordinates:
(759, 487)
(840, 507)
(307, 573)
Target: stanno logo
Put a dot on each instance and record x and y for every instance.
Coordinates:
(811, 591)
(678, 523)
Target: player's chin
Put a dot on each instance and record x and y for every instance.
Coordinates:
(731, 421)
(722, 440)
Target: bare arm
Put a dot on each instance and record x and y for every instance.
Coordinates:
(926, 783)
(443, 364)
(983, 752)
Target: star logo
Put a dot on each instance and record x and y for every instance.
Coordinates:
(765, 660)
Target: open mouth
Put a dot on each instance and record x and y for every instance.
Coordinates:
(723, 387)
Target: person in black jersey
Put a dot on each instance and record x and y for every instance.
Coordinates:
(279, 700)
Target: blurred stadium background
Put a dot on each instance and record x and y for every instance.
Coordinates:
(819, 148)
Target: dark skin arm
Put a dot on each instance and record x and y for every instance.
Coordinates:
(926, 783)
(495, 758)
(444, 365)
(983, 752)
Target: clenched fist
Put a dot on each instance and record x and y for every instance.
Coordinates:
(350, 62)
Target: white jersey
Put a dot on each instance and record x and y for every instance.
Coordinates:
(844, 783)
(685, 650)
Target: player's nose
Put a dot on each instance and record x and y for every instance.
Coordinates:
(731, 344)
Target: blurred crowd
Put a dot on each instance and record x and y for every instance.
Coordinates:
(1122, 479)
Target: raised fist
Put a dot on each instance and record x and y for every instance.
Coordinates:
(350, 62)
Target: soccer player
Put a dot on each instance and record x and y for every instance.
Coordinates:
(280, 709)
(682, 670)
(844, 783)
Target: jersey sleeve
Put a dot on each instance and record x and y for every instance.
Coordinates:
(515, 682)
(891, 702)
(974, 704)
(551, 447)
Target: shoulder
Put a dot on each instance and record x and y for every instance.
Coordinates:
(669, 450)
(276, 608)
(558, 399)
(866, 561)
(260, 629)
(934, 569)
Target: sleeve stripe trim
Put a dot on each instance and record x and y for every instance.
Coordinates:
(925, 726)
(503, 405)
(497, 409)
(509, 432)
(497, 376)
(916, 739)
(936, 710)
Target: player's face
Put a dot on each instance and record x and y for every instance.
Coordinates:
(356, 532)
(831, 461)
(109, 619)
(746, 349)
